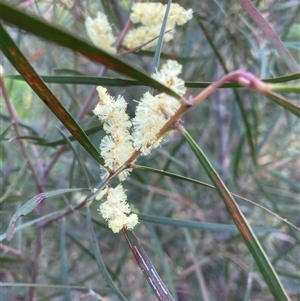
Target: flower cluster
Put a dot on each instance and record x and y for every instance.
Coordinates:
(100, 32)
(142, 134)
(153, 112)
(116, 147)
(116, 210)
(151, 15)
(168, 76)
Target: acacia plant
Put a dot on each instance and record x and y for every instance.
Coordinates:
(187, 94)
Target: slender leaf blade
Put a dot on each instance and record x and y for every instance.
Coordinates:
(32, 204)
(122, 82)
(247, 233)
(193, 225)
(31, 222)
(283, 102)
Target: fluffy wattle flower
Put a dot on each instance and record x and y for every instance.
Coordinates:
(151, 15)
(153, 112)
(116, 210)
(168, 75)
(100, 32)
(144, 34)
(151, 115)
(116, 147)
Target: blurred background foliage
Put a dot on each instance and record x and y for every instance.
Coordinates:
(197, 264)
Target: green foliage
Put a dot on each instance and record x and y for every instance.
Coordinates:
(186, 242)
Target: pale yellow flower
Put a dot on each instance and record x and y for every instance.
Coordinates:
(110, 110)
(147, 13)
(149, 119)
(143, 34)
(115, 154)
(102, 193)
(132, 220)
(117, 223)
(178, 15)
(116, 147)
(100, 32)
(116, 210)
(151, 15)
(153, 112)
(168, 75)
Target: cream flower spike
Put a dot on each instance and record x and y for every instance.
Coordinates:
(168, 75)
(116, 147)
(150, 15)
(116, 210)
(153, 112)
(100, 32)
(143, 34)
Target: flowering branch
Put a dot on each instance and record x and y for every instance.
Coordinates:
(156, 115)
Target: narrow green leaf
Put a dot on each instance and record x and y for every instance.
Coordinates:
(67, 39)
(32, 222)
(84, 80)
(17, 59)
(282, 79)
(120, 82)
(285, 103)
(246, 125)
(45, 142)
(160, 39)
(98, 256)
(290, 274)
(33, 203)
(152, 277)
(172, 175)
(41, 285)
(287, 88)
(212, 227)
(250, 239)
